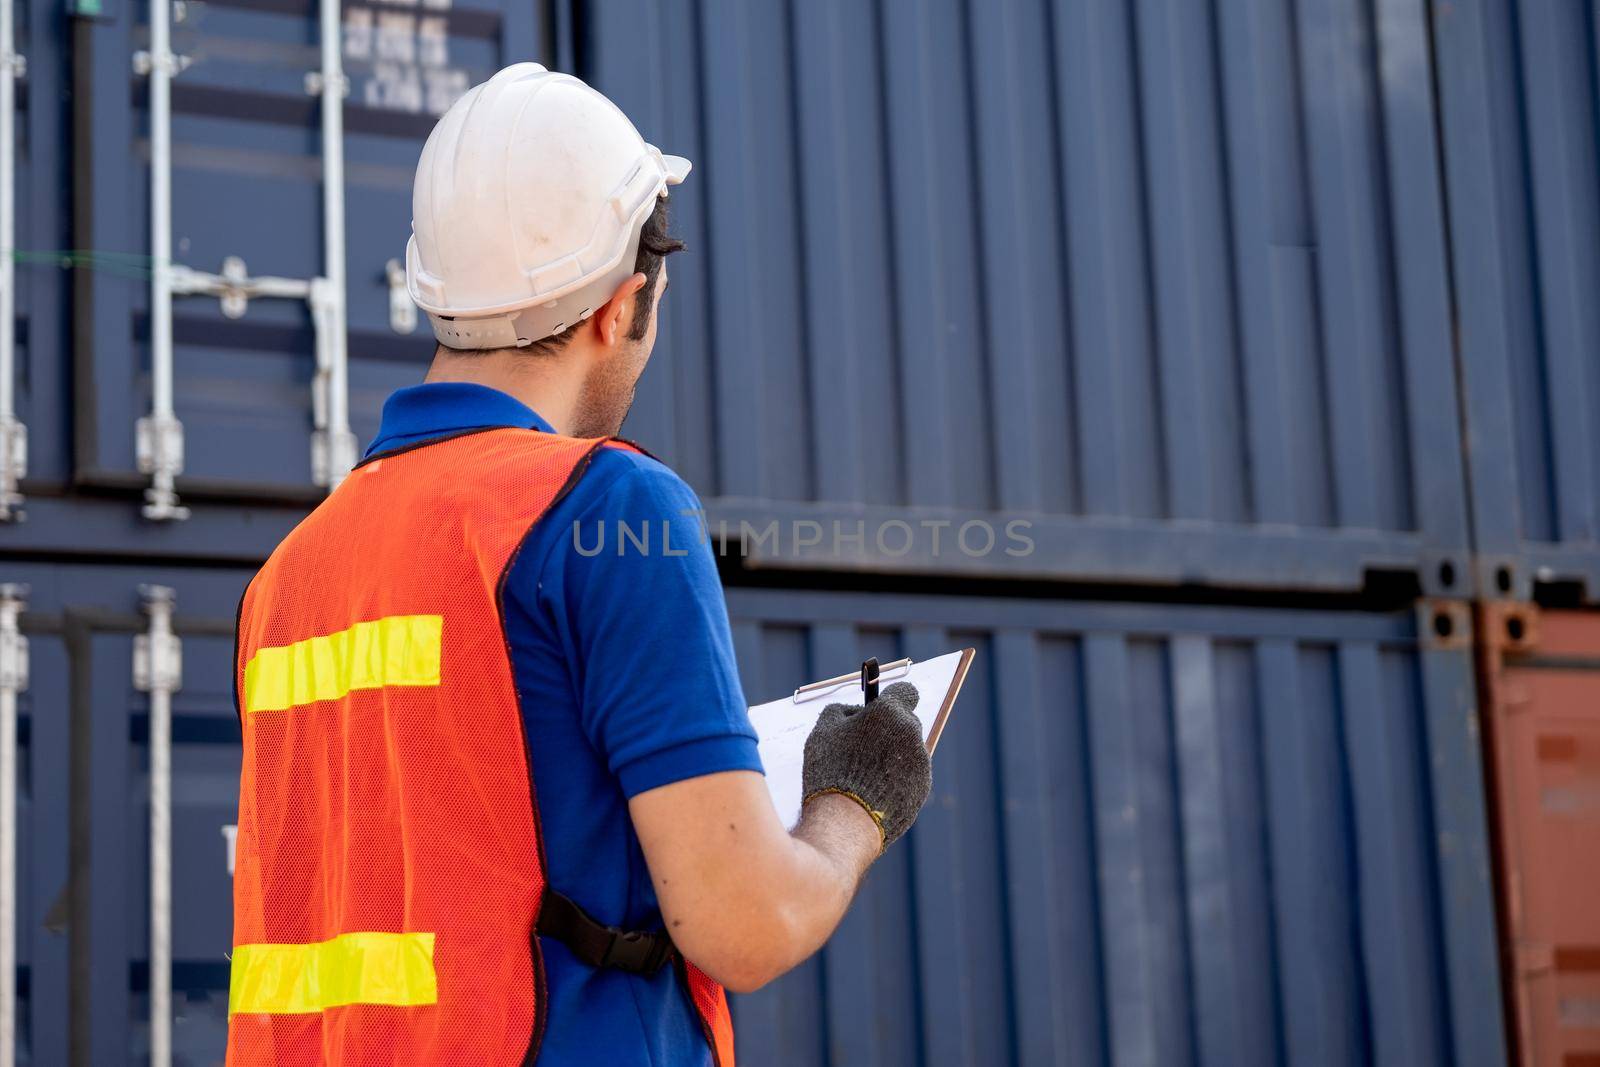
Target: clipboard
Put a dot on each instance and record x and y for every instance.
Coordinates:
(783, 725)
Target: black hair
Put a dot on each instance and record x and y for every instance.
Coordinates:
(655, 245)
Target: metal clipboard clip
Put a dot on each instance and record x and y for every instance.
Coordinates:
(867, 677)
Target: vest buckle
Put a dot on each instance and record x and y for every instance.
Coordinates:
(636, 951)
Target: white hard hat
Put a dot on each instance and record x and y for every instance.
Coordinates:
(527, 206)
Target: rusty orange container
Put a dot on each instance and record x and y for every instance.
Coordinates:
(1542, 676)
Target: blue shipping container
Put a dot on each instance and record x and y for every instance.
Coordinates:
(1205, 293)
(247, 174)
(1520, 100)
(1159, 835)
(1168, 281)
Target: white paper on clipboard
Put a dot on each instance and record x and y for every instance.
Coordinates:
(783, 725)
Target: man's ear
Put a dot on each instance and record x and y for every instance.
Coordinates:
(616, 314)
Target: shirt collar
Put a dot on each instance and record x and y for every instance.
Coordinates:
(419, 413)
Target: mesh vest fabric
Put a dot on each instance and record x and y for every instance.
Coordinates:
(389, 866)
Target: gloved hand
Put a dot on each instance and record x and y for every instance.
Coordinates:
(873, 755)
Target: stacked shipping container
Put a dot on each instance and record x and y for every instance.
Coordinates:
(1170, 282)
(1520, 132)
(1521, 135)
(1541, 673)
(1177, 286)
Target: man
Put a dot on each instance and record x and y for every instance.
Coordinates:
(500, 798)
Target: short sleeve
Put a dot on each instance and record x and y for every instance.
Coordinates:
(631, 585)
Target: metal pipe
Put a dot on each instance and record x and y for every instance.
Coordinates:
(158, 670)
(322, 331)
(338, 444)
(159, 435)
(13, 435)
(160, 878)
(13, 679)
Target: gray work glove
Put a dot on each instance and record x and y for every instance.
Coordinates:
(874, 756)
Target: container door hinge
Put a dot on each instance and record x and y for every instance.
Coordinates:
(402, 312)
(13, 645)
(13, 467)
(158, 444)
(315, 78)
(171, 63)
(158, 652)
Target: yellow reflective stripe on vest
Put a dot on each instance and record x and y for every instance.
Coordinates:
(363, 968)
(397, 650)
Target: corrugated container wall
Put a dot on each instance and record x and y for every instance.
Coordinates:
(247, 174)
(1158, 835)
(1542, 674)
(1211, 295)
(1170, 279)
(1520, 88)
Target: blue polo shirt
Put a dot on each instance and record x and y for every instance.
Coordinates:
(624, 665)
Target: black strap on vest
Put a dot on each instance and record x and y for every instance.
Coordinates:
(634, 951)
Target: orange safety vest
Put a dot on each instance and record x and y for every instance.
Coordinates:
(389, 869)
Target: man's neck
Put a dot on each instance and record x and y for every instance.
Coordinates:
(545, 384)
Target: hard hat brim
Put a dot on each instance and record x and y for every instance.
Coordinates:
(677, 167)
